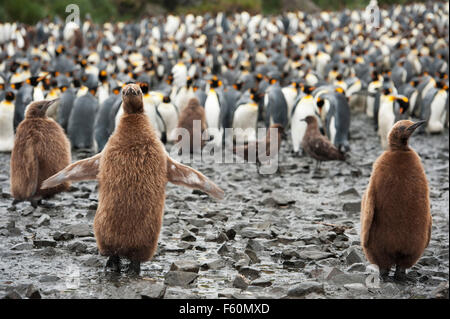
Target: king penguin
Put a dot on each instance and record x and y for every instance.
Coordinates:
(7, 122)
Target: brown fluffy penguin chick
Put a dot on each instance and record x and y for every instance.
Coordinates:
(193, 112)
(40, 150)
(271, 149)
(132, 171)
(318, 146)
(395, 209)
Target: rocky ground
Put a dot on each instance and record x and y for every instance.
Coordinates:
(289, 235)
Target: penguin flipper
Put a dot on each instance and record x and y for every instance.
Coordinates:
(24, 173)
(367, 215)
(183, 175)
(86, 169)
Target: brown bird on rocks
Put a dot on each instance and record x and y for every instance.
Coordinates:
(395, 209)
(193, 112)
(40, 150)
(253, 148)
(132, 170)
(318, 146)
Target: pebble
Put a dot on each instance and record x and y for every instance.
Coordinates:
(78, 247)
(179, 278)
(185, 265)
(44, 243)
(79, 230)
(153, 291)
(250, 273)
(48, 278)
(44, 220)
(22, 246)
(240, 282)
(306, 288)
(352, 207)
(188, 236)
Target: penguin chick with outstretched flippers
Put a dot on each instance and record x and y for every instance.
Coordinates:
(318, 146)
(40, 150)
(395, 209)
(127, 223)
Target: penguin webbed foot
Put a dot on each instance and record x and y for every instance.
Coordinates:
(401, 276)
(384, 275)
(113, 264)
(134, 268)
(35, 202)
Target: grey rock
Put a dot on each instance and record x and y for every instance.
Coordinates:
(44, 243)
(314, 255)
(213, 265)
(79, 230)
(48, 278)
(179, 278)
(12, 295)
(252, 255)
(62, 236)
(153, 291)
(306, 288)
(357, 267)
(27, 211)
(356, 286)
(78, 247)
(350, 192)
(221, 238)
(92, 261)
(254, 245)
(188, 236)
(353, 257)
(223, 250)
(289, 253)
(185, 265)
(352, 207)
(240, 282)
(44, 220)
(250, 273)
(177, 293)
(231, 233)
(261, 282)
(294, 264)
(22, 246)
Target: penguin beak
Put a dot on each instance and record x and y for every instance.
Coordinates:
(48, 104)
(413, 127)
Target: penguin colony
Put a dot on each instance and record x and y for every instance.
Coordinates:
(301, 74)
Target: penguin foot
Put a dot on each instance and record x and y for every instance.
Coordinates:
(384, 275)
(35, 202)
(15, 202)
(113, 264)
(134, 268)
(401, 276)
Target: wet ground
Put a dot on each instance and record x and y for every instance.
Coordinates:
(294, 234)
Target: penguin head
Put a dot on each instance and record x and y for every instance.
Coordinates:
(320, 103)
(403, 103)
(237, 85)
(400, 133)
(310, 120)
(166, 99)
(387, 91)
(144, 87)
(308, 89)
(39, 108)
(132, 99)
(9, 96)
(215, 82)
(116, 90)
(102, 76)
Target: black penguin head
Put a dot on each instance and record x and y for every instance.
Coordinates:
(38, 108)
(166, 99)
(116, 90)
(144, 87)
(189, 82)
(403, 103)
(237, 85)
(400, 133)
(9, 96)
(308, 89)
(16, 86)
(102, 76)
(320, 103)
(387, 91)
(132, 99)
(169, 79)
(215, 82)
